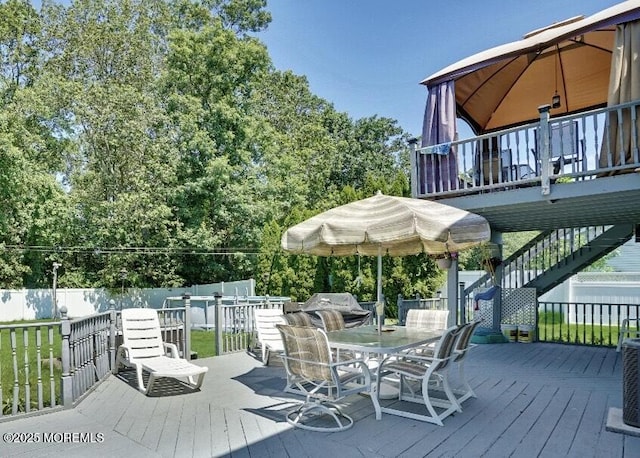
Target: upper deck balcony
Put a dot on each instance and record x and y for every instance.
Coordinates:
(570, 171)
(573, 163)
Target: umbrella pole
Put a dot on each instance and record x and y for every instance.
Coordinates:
(379, 273)
(379, 303)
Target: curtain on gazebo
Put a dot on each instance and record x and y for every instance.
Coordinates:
(438, 168)
(619, 148)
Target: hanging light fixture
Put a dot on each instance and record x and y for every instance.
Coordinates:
(555, 100)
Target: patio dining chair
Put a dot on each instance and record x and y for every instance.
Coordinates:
(461, 349)
(324, 382)
(332, 320)
(143, 349)
(430, 372)
(298, 319)
(426, 319)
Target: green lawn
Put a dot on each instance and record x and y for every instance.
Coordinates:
(203, 343)
(578, 334)
(552, 327)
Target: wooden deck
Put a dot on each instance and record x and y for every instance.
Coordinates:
(535, 399)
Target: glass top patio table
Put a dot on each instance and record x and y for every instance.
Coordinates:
(392, 339)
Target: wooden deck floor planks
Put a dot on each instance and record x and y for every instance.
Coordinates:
(533, 400)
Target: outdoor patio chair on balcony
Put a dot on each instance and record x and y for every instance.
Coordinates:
(268, 335)
(324, 382)
(494, 162)
(431, 372)
(565, 149)
(144, 350)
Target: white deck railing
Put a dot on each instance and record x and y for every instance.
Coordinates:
(576, 147)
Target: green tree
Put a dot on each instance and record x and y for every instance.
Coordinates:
(208, 84)
(33, 203)
(104, 60)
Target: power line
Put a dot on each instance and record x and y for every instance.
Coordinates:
(224, 251)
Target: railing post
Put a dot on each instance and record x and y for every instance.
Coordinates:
(412, 165)
(113, 317)
(543, 148)
(218, 317)
(67, 381)
(186, 297)
(400, 310)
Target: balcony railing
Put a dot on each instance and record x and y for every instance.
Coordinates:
(577, 147)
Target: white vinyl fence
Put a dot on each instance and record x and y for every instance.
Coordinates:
(30, 304)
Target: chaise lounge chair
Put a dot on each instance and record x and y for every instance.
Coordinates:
(143, 349)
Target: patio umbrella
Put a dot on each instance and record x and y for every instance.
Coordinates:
(505, 85)
(395, 226)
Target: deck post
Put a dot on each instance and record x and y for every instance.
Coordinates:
(543, 149)
(186, 297)
(113, 317)
(412, 167)
(463, 305)
(496, 239)
(219, 328)
(67, 380)
(400, 310)
(452, 291)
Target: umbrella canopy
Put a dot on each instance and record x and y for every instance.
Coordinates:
(505, 85)
(399, 225)
(396, 226)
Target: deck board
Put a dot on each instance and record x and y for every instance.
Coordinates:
(587, 435)
(533, 399)
(562, 438)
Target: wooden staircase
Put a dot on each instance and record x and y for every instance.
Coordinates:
(555, 255)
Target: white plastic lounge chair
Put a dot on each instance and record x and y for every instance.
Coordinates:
(309, 363)
(268, 335)
(143, 349)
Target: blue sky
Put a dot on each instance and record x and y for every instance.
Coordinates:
(368, 57)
